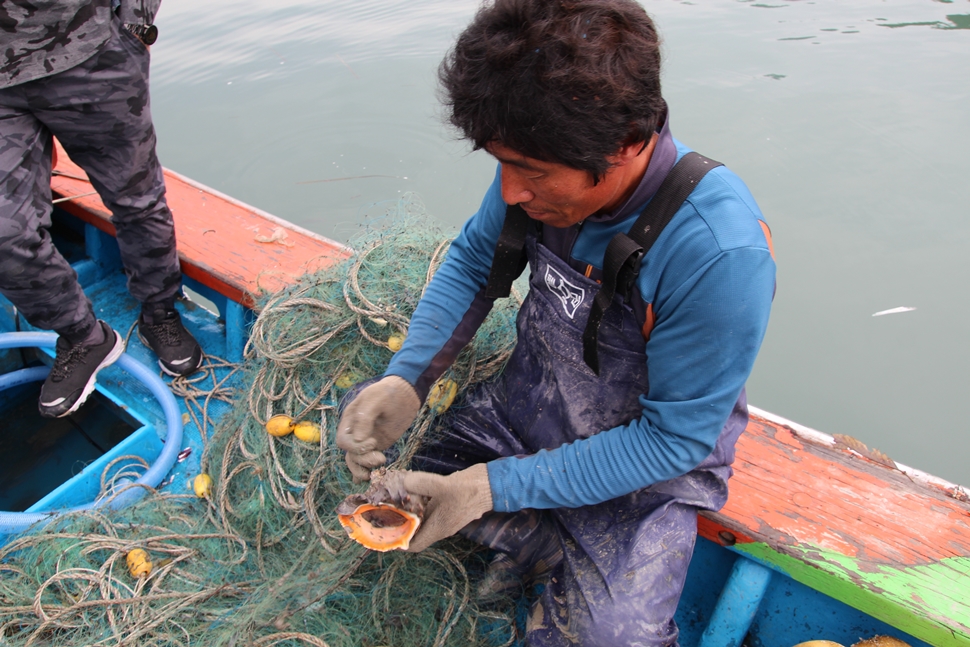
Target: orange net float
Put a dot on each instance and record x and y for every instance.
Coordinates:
(385, 517)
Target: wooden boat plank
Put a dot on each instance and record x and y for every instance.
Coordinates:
(853, 528)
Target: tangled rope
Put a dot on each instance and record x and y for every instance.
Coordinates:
(262, 560)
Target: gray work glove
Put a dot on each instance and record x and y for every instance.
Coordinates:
(377, 417)
(455, 501)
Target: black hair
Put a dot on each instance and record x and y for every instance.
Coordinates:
(567, 81)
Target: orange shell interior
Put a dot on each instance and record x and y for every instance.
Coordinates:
(381, 527)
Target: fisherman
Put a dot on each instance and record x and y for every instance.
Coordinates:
(78, 70)
(651, 280)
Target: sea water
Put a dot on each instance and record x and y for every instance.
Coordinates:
(850, 122)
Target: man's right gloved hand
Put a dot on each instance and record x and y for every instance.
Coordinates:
(376, 418)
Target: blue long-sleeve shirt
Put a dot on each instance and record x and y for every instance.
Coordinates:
(707, 285)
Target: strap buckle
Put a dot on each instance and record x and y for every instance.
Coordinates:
(147, 34)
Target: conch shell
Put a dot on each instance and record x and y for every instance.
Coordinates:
(385, 517)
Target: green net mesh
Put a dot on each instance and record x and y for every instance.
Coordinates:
(263, 561)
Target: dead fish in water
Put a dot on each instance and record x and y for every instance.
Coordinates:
(385, 517)
(893, 311)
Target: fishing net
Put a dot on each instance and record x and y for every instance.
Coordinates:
(263, 561)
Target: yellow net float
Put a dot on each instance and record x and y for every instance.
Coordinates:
(138, 563)
(395, 342)
(441, 395)
(308, 432)
(202, 486)
(346, 380)
(280, 425)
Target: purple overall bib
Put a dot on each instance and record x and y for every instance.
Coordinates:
(623, 562)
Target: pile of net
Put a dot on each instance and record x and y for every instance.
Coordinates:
(263, 561)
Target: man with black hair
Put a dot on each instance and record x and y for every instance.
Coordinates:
(78, 70)
(651, 281)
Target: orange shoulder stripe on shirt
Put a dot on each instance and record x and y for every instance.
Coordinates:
(648, 323)
(767, 232)
(651, 317)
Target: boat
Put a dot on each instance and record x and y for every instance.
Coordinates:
(822, 538)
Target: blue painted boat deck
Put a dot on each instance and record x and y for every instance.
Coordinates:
(782, 612)
(37, 454)
(94, 255)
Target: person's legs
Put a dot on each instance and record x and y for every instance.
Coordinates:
(613, 572)
(33, 274)
(100, 112)
(625, 563)
(526, 545)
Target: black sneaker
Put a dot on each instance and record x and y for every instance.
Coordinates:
(178, 352)
(75, 370)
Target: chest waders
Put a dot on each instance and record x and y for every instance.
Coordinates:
(618, 567)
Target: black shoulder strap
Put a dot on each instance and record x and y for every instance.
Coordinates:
(509, 259)
(621, 263)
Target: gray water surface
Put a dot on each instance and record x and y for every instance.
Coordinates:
(850, 122)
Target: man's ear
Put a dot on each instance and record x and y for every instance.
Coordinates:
(627, 153)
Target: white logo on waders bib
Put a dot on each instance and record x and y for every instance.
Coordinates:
(570, 295)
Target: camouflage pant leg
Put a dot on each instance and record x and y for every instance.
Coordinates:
(100, 112)
(33, 274)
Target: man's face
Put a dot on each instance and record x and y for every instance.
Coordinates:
(562, 196)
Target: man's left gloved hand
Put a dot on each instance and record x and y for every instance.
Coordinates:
(378, 416)
(455, 501)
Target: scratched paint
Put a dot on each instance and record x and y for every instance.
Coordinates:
(930, 602)
(852, 528)
(792, 493)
